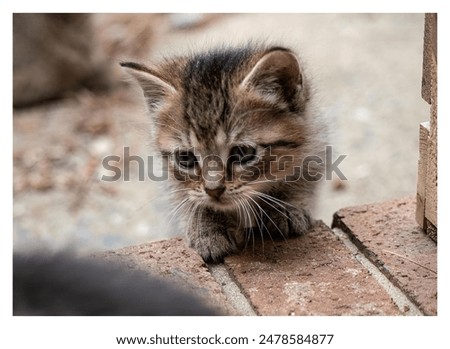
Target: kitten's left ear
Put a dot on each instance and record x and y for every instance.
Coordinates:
(156, 89)
(276, 77)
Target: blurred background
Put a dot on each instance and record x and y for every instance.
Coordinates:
(73, 106)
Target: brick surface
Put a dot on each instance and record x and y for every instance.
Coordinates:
(175, 261)
(314, 274)
(389, 236)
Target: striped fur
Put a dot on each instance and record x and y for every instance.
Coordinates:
(244, 115)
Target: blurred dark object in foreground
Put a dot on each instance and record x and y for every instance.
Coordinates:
(54, 54)
(61, 284)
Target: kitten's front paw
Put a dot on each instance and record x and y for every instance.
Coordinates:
(299, 221)
(214, 247)
(292, 222)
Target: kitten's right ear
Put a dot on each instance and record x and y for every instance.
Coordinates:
(156, 90)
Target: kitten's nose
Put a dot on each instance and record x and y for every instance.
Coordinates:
(215, 192)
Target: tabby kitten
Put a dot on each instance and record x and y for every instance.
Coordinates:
(237, 135)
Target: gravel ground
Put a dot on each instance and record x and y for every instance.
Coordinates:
(366, 69)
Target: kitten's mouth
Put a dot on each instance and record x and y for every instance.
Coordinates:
(220, 203)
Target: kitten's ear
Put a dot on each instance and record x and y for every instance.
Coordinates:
(275, 76)
(156, 90)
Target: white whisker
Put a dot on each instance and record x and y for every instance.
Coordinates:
(273, 199)
(268, 203)
(240, 213)
(178, 190)
(264, 212)
(176, 209)
(250, 210)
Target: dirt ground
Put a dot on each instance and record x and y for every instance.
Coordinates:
(366, 70)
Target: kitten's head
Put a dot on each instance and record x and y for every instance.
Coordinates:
(232, 124)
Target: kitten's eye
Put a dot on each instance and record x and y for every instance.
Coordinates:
(243, 154)
(185, 159)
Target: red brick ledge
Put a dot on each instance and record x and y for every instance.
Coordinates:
(388, 235)
(315, 274)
